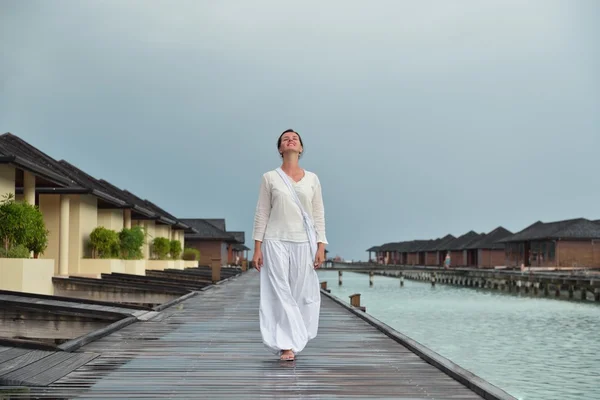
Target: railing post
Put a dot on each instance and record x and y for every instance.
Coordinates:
(355, 301)
(324, 287)
(244, 265)
(216, 269)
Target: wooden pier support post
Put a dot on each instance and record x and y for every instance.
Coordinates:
(597, 294)
(215, 267)
(546, 289)
(401, 279)
(355, 301)
(433, 279)
(519, 283)
(371, 276)
(324, 287)
(244, 265)
(557, 292)
(583, 291)
(536, 288)
(571, 291)
(340, 278)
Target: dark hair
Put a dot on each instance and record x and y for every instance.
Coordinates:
(284, 132)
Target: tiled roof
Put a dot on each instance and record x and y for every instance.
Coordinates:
(462, 241)
(240, 237)
(85, 180)
(134, 201)
(444, 243)
(373, 248)
(415, 245)
(206, 230)
(579, 228)
(78, 181)
(218, 222)
(16, 151)
(240, 247)
(430, 245)
(490, 241)
(162, 217)
(387, 246)
(405, 246)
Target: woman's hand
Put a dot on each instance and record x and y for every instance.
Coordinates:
(320, 257)
(257, 258)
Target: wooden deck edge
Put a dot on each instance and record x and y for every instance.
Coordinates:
(27, 344)
(77, 343)
(467, 378)
(67, 299)
(81, 341)
(177, 300)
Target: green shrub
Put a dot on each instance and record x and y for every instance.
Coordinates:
(22, 224)
(131, 242)
(105, 243)
(161, 248)
(190, 254)
(175, 249)
(18, 251)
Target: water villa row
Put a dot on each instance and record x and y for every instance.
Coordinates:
(81, 258)
(568, 244)
(73, 204)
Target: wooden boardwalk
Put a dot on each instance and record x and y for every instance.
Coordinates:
(209, 346)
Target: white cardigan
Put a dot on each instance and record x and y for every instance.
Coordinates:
(278, 217)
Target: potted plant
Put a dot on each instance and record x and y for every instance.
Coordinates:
(22, 224)
(161, 247)
(131, 242)
(175, 249)
(190, 254)
(104, 243)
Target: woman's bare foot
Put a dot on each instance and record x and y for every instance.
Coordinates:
(287, 355)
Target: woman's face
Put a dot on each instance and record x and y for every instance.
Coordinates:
(290, 142)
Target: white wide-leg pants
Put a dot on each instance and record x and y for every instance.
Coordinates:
(290, 297)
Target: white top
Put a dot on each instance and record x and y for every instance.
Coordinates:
(278, 217)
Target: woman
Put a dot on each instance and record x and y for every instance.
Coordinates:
(290, 298)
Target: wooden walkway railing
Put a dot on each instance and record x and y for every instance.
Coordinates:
(209, 346)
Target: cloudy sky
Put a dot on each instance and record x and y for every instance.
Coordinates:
(421, 117)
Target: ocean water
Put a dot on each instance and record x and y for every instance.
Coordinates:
(533, 348)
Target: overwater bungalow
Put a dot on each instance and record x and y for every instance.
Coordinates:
(371, 250)
(439, 250)
(487, 252)
(457, 248)
(573, 243)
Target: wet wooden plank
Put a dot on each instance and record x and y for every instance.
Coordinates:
(12, 353)
(209, 346)
(22, 360)
(50, 375)
(23, 375)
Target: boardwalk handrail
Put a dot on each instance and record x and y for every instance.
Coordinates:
(467, 378)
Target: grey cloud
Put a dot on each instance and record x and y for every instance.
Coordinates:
(420, 117)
